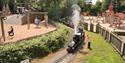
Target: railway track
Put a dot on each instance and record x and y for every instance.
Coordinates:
(64, 59)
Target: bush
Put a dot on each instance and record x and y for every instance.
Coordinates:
(35, 47)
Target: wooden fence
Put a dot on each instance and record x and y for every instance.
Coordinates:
(110, 37)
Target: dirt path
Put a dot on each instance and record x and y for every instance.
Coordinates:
(51, 57)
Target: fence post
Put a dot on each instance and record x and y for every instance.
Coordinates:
(97, 28)
(88, 26)
(123, 53)
(94, 28)
(109, 38)
(122, 49)
(105, 34)
(91, 27)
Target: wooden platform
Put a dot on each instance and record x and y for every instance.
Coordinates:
(21, 32)
(106, 26)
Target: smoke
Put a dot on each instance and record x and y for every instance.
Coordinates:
(75, 16)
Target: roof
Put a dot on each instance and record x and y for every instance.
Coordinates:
(120, 15)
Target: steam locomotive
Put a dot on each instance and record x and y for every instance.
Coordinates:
(77, 42)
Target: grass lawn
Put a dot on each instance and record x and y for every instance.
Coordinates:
(102, 51)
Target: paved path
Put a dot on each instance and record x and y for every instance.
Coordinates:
(12, 19)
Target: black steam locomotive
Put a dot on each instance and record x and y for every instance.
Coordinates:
(77, 42)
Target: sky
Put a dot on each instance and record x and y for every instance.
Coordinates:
(94, 1)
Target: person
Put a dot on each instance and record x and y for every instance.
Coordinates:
(23, 10)
(37, 21)
(17, 13)
(11, 31)
(89, 42)
(46, 20)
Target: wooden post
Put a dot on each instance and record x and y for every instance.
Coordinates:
(46, 20)
(2, 27)
(28, 21)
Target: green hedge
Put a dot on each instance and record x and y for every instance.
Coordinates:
(35, 47)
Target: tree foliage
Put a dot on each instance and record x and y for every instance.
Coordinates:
(56, 8)
(105, 5)
(120, 5)
(96, 8)
(63, 8)
(83, 5)
(12, 6)
(1, 5)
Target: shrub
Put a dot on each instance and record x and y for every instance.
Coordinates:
(35, 47)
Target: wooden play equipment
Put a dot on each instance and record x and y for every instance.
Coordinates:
(31, 16)
(2, 24)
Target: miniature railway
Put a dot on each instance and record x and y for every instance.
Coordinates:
(65, 59)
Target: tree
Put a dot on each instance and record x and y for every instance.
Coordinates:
(105, 5)
(117, 6)
(12, 6)
(56, 8)
(123, 5)
(82, 4)
(2, 4)
(96, 8)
